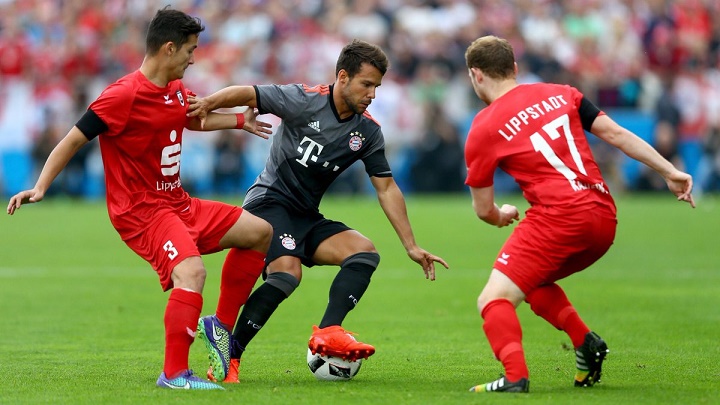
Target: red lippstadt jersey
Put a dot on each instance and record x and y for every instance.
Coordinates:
(141, 149)
(534, 133)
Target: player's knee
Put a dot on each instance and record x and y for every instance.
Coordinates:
(481, 302)
(265, 233)
(191, 277)
(366, 246)
(485, 297)
(285, 282)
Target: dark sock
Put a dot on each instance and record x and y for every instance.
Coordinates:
(259, 307)
(349, 285)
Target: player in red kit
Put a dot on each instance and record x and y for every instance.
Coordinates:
(139, 121)
(536, 133)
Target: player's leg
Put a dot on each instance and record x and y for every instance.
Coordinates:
(501, 325)
(575, 241)
(181, 314)
(590, 349)
(550, 303)
(220, 226)
(172, 252)
(283, 277)
(283, 274)
(248, 240)
(258, 309)
(358, 259)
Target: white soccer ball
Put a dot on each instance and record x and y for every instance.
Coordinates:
(331, 368)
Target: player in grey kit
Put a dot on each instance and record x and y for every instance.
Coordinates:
(324, 130)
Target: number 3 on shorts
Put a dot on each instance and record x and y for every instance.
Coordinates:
(172, 252)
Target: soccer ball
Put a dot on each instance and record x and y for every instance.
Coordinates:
(331, 368)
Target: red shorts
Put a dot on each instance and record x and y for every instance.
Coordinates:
(548, 245)
(173, 236)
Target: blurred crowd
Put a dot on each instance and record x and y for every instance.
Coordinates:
(653, 65)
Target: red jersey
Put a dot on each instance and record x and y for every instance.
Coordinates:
(141, 149)
(535, 134)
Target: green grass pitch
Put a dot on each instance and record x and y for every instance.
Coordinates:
(83, 315)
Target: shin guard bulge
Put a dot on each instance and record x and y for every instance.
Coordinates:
(503, 331)
(349, 285)
(240, 271)
(181, 318)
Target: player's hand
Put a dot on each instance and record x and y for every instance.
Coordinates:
(681, 185)
(199, 108)
(508, 215)
(24, 197)
(255, 126)
(427, 261)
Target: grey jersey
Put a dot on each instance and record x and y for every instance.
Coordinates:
(312, 145)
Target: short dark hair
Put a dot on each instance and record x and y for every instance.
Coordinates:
(170, 26)
(357, 52)
(493, 55)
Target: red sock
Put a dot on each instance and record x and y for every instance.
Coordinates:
(240, 271)
(181, 319)
(550, 303)
(503, 331)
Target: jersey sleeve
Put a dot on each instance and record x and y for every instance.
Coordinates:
(481, 161)
(285, 101)
(113, 107)
(376, 164)
(374, 159)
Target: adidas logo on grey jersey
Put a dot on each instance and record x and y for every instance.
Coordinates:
(315, 125)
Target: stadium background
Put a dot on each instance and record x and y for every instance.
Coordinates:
(653, 65)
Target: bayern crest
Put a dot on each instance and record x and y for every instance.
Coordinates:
(356, 141)
(288, 241)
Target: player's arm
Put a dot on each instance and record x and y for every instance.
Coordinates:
(678, 182)
(232, 96)
(56, 162)
(483, 202)
(246, 120)
(393, 204)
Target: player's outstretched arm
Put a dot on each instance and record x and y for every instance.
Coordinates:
(678, 182)
(393, 204)
(56, 162)
(246, 120)
(232, 96)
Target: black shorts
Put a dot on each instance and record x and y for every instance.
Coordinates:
(294, 234)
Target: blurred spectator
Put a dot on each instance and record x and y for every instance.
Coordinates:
(665, 138)
(230, 166)
(690, 92)
(439, 164)
(71, 181)
(619, 52)
(709, 179)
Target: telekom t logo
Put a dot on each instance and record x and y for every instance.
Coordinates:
(307, 152)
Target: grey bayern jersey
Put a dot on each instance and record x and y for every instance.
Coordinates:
(312, 145)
